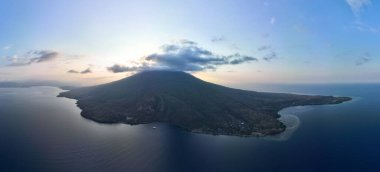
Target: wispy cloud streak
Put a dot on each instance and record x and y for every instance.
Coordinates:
(38, 56)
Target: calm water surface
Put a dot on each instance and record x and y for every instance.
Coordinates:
(41, 132)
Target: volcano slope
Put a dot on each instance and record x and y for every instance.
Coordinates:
(185, 101)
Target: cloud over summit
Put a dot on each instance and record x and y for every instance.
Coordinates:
(118, 68)
(183, 55)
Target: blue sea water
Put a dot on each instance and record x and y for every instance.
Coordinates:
(41, 132)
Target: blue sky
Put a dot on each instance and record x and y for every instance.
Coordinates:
(292, 41)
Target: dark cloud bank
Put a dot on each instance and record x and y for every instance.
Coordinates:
(183, 55)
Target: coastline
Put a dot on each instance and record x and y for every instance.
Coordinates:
(290, 122)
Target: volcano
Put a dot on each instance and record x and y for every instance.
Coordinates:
(180, 99)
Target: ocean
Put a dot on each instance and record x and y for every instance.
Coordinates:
(42, 132)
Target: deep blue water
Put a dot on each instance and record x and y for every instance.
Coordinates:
(40, 132)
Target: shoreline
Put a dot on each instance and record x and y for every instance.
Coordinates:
(290, 122)
(279, 136)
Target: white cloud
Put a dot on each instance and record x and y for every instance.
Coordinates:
(358, 5)
(365, 27)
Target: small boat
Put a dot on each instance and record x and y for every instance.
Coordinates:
(154, 127)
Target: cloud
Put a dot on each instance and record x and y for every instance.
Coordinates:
(118, 68)
(358, 5)
(43, 56)
(264, 47)
(38, 56)
(218, 39)
(72, 71)
(273, 20)
(183, 56)
(365, 27)
(363, 59)
(270, 54)
(239, 59)
(186, 42)
(86, 71)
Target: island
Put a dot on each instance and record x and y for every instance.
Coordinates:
(180, 99)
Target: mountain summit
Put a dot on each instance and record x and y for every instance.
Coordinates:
(183, 100)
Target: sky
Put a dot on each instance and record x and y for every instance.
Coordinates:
(229, 42)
